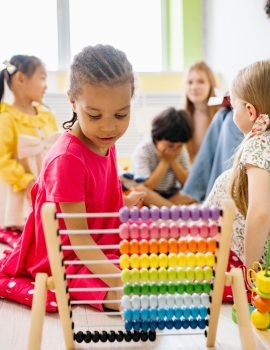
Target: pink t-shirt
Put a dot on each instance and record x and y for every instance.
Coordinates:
(70, 173)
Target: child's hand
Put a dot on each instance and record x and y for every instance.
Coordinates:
(134, 198)
(171, 154)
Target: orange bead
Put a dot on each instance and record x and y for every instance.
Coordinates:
(124, 247)
(144, 246)
(134, 246)
(173, 245)
(192, 245)
(263, 305)
(163, 245)
(212, 244)
(202, 245)
(153, 246)
(182, 245)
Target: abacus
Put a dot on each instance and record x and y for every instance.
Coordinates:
(173, 270)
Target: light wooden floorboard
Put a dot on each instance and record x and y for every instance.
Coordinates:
(15, 321)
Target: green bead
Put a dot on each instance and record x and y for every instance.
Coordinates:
(198, 287)
(136, 288)
(125, 275)
(171, 288)
(144, 288)
(206, 287)
(154, 288)
(180, 288)
(127, 289)
(188, 287)
(162, 288)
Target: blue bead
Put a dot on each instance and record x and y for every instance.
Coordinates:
(136, 314)
(137, 325)
(161, 313)
(201, 323)
(193, 323)
(145, 326)
(170, 313)
(177, 324)
(161, 325)
(203, 311)
(177, 312)
(169, 324)
(128, 326)
(144, 314)
(153, 326)
(128, 315)
(185, 324)
(185, 312)
(153, 314)
(194, 311)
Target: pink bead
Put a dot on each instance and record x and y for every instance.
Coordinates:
(213, 229)
(124, 231)
(134, 231)
(174, 231)
(144, 231)
(204, 230)
(183, 230)
(164, 230)
(154, 230)
(194, 230)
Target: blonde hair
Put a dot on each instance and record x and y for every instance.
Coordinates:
(252, 85)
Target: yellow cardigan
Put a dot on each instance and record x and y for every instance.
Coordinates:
(13, 123)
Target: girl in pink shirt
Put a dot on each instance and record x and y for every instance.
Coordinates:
(79, 174)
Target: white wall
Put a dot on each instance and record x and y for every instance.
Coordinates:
(237, 33)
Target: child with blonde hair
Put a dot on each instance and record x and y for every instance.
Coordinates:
(248, 182)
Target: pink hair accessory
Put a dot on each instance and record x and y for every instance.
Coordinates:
(261, 124)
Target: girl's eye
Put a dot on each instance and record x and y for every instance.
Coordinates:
(120, 116)
(94, 117)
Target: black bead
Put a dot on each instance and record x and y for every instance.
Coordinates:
(79, 337)
(88, 337)
(136, 336)
(128, 336)
(120, 336)
(104, 336)
(152, 336)
(144, 336)
(96, 337)
(112, 336)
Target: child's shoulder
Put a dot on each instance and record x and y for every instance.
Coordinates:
(257, 142)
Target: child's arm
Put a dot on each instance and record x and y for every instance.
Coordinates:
(134, 198)
(258, 215)
(180, 172)
(158, 174)
(73, 224)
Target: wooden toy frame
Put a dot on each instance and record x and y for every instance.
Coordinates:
(57, 281)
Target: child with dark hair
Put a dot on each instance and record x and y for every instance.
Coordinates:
(27, 130)
(79, 174)
(163, 162)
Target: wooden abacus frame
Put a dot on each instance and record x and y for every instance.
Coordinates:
(57, 281)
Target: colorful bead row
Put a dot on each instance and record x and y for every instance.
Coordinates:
(163, 260)
(167, 300)
(168, 287)
(168, 246)
(113, 336)
(169, 324)
(164, 213)
(169, 313)
(170, 274)
(173, 230)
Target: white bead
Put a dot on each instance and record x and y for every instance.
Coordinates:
(162, 301)
(187, 299)
(125, 301)
(170, 300)
(196, 299)
(153, 300)
(136, 302)
(179, 300)
(144, 302)
(205, 299)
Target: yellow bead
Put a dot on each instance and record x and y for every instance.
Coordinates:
(172, 260)
(163, 260)
(181, 274)
(263, 282)
(190, 274)
(181, 260)
(210, 259)
(134, 261)
(124, 261)
(208, 273)
(162, 274)
(144, 261)
(154, 261)
(260, 320)
(200, 259)
(191, 259)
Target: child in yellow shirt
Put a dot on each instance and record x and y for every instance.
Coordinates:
(27, 130)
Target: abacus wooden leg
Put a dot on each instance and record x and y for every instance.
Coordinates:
(38, 312)
(242, 310)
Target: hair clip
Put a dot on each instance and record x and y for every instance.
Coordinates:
(10, 67)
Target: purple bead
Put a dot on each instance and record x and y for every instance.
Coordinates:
(134, 213)
(184, 212)
(205, 213)
(145, 214)
(124, 214)
(215, 213)
(175, 213)
(195, 213)
(154, 212)
(164, 213)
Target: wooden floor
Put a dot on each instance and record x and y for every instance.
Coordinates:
(15, 320)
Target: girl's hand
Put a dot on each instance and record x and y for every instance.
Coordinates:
(134, 198)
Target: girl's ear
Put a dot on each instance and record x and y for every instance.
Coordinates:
(251, 110)
(18, 78)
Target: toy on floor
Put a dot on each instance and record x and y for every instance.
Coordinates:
(173, 269)
(259, 278)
